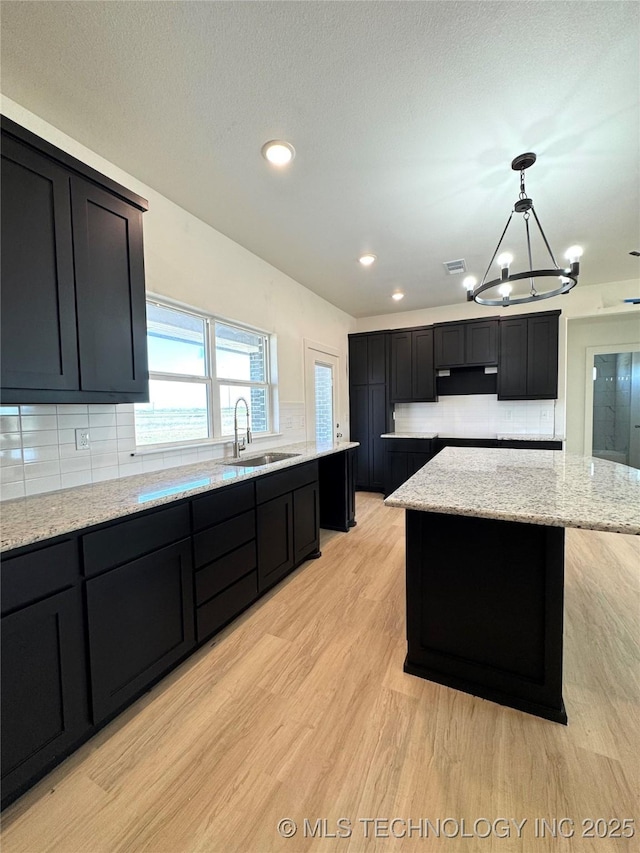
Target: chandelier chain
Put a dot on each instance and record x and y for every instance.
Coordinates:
(523, 192)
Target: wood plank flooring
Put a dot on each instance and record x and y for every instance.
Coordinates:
(301, 709)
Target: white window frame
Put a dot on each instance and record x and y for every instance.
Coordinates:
(210, 379)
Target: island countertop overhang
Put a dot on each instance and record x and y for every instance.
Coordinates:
(547, 487)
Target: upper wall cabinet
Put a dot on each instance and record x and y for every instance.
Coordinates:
(469, 343)
(412, 370)
(73, 295)
(528, 367)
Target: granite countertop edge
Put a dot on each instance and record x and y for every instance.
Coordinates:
(36, 518)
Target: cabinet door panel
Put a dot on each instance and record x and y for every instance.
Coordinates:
(306, 521)
(377, 358)
(396, 470)
(512, 370)
(359, 430)
(449, 345)
(110, 294)
(38, 336)
(44, 699)
(275, 540)
(423, 374)
(401, 359)
(378, 422)
(140, 619)
(481, 345)
(358, 360)
(542, 362)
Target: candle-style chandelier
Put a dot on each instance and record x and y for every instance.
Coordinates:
(561, 280)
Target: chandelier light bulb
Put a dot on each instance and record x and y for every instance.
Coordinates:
(504, 260)
(504, 290)
(469, 282)
(573, 254)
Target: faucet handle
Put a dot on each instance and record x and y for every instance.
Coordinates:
(249, 436)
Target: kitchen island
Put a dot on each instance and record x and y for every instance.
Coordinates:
(485, 565)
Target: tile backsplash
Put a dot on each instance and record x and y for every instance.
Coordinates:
(477, 416)
(38, 446)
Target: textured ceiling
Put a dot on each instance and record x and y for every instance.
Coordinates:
(405, 117)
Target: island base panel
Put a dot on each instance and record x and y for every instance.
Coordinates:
(485, 608)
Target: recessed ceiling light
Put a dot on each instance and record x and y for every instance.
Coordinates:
(367, 260)
(278, 153)
(397, 296)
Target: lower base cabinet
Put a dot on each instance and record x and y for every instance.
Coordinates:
(44, 703)
(306, 522)
(338, 490)
(403, 458)
(141, 621)
(275, 540)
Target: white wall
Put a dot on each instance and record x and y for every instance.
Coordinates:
(189, 261)
(602, 300)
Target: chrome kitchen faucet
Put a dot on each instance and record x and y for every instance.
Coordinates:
(237, 447)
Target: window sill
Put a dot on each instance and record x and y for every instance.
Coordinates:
(216, 442)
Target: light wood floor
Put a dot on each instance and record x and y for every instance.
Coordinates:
(301, 710)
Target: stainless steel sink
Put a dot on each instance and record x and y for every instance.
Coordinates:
(265, 459)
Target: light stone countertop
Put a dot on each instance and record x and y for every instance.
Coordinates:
(409, 435)
(548, 487)
(39, 517)
(522, 436)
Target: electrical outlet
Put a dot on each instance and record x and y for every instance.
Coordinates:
(508, 415)
(82, 439)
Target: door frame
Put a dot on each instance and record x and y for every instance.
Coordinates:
(310, 349)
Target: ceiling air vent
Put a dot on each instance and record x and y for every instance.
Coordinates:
(455, 267)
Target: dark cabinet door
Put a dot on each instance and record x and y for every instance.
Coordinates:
(512, 370)
(359, 426)
(275, 540)
(141, 621)
(423, 383)
(38, 335)
(358, 360)
(397, 471)
(306, 521)
(44, 690)
(400, 388)
(481, 343)
(378, 426)
(449, 345)
(542, 357)
(110, 294)
(415, 461)
(351, 487)
(377, 358)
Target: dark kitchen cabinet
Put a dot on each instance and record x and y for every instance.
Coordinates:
(368, 406)
(73, 291)
(471, 343)
(44, 687)
(412, 374)
(287, 521)
(337, 490)
(140, 620)
(528, 368)
(403, 458)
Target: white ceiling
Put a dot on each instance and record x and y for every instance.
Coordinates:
(405, 117)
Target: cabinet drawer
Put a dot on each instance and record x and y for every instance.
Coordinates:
(127, 540)
(274, 485)
(216, 541)
(222, 504)
(33, 576)
(221, 609)
(223, 572)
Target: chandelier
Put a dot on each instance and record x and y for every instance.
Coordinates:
(558, 280)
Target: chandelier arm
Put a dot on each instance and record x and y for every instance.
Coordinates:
(544, 237)
(493, 257)
(531, 280)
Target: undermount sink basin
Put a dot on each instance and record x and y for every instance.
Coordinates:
(265, 459)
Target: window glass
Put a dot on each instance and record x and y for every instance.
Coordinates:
(176, 341)
(176, 411)
(240, 354)
(257, 400)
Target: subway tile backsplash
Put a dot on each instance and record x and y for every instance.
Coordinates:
(38, 446)
(477, 416)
